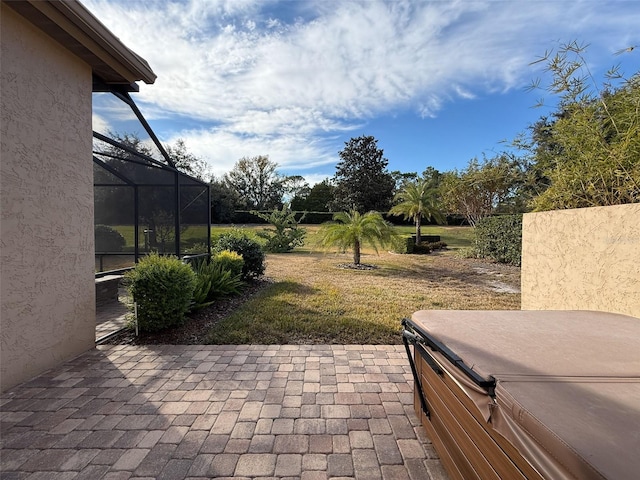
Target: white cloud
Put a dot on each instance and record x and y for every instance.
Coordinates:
(278, 77)
(222, 149)
(99, 123)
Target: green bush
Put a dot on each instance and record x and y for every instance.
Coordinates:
(465, 252)
(438, 245)
(251, 251)
(403, 244)
(229, 260)
(108, 239)
(286, 233)
(407, 244)
(213, 280)
(500, 238)
(196, 249)
(422, 249)
(163, 289)
(202, 289)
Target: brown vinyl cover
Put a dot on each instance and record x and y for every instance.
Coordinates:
(568, 384)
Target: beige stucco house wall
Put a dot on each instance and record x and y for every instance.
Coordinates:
(47, 290)
(582, 259)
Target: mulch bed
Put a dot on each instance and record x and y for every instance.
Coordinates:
(195, 328)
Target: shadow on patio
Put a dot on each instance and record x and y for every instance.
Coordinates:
(309, 412)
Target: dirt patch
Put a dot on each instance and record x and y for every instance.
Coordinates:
(499, 278)
(359, 266)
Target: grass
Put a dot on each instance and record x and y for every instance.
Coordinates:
(192, 234)
(311, 300)
(454, 237)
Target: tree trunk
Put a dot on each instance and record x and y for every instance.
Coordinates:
(356, 253)
(418, 225)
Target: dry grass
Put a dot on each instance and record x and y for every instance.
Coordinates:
(312, 300)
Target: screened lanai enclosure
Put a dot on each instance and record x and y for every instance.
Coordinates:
(144, 202)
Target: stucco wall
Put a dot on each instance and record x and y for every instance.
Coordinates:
(582, 259)
(46, 200)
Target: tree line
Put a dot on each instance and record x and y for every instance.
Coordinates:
(586, 153)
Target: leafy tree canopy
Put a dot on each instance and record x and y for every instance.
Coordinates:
(187, 162)
(362, 181)
(351, 230)
(418, 200)
(318, 199)
(588, 154)
(285, 233)
(482, 188)
(224, 201)
(257, 183)
(297, 190)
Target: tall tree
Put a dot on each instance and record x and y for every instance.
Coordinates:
(186, 161)
(318, 200)
(361, 179)
(401, 179)
(433, 177)
(351, 230)
(417, 200)
(481, 188)
(589, 154)
(257, 182)
(224, 201)
(296, 190)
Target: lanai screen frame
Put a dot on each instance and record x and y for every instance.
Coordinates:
(135, 158)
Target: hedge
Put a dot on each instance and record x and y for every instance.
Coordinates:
(500, 238)
(243, 217)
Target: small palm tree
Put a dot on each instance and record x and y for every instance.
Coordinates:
(350, 230)
(417, 201)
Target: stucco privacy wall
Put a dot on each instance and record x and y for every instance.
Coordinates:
(46, 200)
(582, 259)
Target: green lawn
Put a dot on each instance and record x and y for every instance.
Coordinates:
(192, 234)
(312, 300)
(454, 237)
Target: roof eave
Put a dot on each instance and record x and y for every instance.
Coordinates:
(73, 26)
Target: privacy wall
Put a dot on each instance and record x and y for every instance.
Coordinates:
(46, 184)
(582, 259)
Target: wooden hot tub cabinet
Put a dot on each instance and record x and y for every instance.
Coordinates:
(529, 394)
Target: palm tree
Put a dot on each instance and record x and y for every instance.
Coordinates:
(417, 201)
(350, 230)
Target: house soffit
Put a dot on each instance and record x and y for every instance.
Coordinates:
(74, 27)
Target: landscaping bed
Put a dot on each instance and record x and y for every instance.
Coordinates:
(309, 298)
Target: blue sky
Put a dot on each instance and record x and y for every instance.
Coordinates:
(437, 83)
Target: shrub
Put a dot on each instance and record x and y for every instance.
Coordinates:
(229, 260)
(285, 234)
(438, 245)
(465, 252)
(403, 244)
(422, 249)
(196, 249)
(163, 289)
(408, 245)
(213, 280)
(108, 239)
(202, 289)
(252, 254)
(500, 238)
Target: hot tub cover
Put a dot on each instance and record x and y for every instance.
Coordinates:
(567, 392)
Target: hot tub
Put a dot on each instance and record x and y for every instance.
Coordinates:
(529, 394)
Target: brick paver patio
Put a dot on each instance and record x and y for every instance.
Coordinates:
(176, 412)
